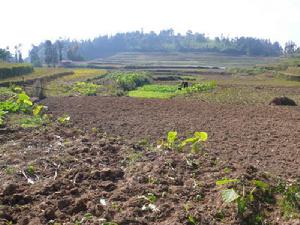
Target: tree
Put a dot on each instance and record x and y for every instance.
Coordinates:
(48, 52)
(290, 48)
(5, 55)
(54, 55)
(73, 54)
(60, 47)
(34, 56)
(20, 60)
(51, 55)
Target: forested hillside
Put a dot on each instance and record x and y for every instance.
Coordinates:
(165, 40)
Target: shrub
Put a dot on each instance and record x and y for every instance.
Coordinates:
(129, 81)
(10, 70)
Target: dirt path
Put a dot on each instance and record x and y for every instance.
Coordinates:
(265, 136)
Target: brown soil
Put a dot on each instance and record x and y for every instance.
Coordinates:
(283, 101)
(265, 136)
(61, 173)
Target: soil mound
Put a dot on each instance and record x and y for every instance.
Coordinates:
(283, 101)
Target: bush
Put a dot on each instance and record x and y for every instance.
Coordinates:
(10, 70)
(129, 81)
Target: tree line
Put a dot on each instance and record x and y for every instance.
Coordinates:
(51, 53)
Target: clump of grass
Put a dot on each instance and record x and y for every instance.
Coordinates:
(130, 80)
(85, 88)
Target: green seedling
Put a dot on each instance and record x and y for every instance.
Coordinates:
(31, 170)
(194, 142)
(191, 220)
(63, 119)
(244, 198)
(37, 110)
(290, 202)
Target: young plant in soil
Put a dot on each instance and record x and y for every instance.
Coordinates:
(249, 198)
(173, 143)
(290, 198)
(21, 103)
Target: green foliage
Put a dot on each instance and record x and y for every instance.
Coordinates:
(130, 80)
(248, 196)
(85, 88)
(199, 87)
(226, 181)
(195, 142)
(63, 119)
(11, 70)
(174, 143)
(20, 102)
(31, 170)
(33, 121)
(154, 91)
(168, 91)
(171, 138)
(229, 195)
(191, 220)
(5, 55)
(168, 41)
(290, 202)
(37, 110)
(2, 114)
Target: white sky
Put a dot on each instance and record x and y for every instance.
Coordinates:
(32, 21)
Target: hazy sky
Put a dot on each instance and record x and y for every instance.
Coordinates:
(32, 21)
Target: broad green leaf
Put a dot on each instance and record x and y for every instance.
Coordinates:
(17, 89)
(28, 102)
(260, 184)
(172, 136)
(229, 195)
(226, 181)
(188, 140)
(23, 97)
(36, 111)
(202, 136)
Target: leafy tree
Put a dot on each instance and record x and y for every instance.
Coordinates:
(290, 48)
(5, 55)
(48, 52)
(60, 47)
(51, 55)
(34, 56)
(73, 53)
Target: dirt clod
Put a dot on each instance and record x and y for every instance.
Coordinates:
(283, 101)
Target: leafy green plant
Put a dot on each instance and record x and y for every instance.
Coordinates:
(246, 197)
(37, 110)
(2, 114)
(33, 121)
(85, 88)
(199, 87)
(63, 119)
(31, 169)
(290, 201)
(130, 80)
(194, 142)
